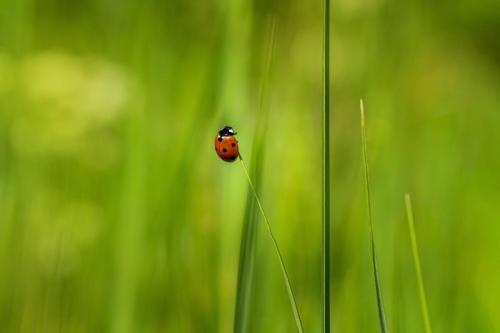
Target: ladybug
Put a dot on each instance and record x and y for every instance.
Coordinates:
(226, 144)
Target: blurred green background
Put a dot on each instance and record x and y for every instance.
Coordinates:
(117, 216)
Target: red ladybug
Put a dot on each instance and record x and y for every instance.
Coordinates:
(226, 144)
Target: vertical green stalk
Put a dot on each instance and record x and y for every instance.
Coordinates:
(380, 302)
(289, 290)
(416, 259)
(326, 167)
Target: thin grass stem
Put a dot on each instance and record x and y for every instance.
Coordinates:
(326, 167)
(380, 302)
(291, 296)
(416, 259)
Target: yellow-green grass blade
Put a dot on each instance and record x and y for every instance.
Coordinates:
(416, 260)
(326, 167)
(286, 278)
(376, 276)
(247, 258)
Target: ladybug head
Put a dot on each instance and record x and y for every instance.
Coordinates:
(227, 131)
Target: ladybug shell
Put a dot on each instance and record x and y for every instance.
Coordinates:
(227, 147)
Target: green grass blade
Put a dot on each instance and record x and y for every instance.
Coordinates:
(286, 278)
(247, 259)
(326, 167)
(416, 259)
(250, 222)
(380, 302)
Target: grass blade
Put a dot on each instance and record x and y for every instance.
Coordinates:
(380, 302)
(289, 290)
(247, 257)
(326, 167)
(416, 259)
(250, 222)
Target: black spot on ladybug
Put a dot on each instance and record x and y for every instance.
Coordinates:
(234, 157)
(224, 149)
(219, 139)
(233, 144)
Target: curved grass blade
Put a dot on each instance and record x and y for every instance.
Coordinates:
(380, 302)
(326, 167)
(289, 290)
(416, 259)
(247, 256)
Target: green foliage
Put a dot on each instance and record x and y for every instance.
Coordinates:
(116, 214)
